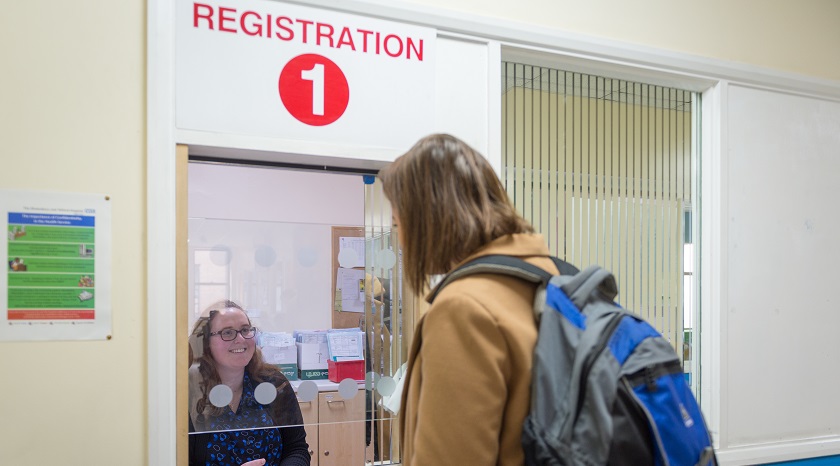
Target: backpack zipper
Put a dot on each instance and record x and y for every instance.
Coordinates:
(648, 376)
(654, 429)
(592, 357)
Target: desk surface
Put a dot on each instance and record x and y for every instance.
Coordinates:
(324, 385)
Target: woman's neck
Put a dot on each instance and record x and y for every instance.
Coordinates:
(232, 378)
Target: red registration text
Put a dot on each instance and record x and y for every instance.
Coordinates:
(306, 31)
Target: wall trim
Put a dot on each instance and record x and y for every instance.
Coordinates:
(160, 234)
(711, 200)
(777, 452)
(251, 147)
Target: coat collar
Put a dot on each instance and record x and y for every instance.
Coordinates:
(518, 245)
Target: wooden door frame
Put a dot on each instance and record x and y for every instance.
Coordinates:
(182, 302)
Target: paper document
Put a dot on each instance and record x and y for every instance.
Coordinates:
(278, 347)
(346, 345)
(348, 282)
(355, 244)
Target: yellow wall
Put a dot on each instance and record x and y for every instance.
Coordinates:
(72, 113)
(800, 37)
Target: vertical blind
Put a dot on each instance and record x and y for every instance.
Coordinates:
(603, 169)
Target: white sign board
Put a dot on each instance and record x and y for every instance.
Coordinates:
(57, 279)
(270, 69)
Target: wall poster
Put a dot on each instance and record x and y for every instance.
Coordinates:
(57, 280)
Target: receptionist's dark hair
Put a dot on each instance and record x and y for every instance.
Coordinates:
(450, 203)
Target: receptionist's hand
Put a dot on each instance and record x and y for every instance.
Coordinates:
(259, 462)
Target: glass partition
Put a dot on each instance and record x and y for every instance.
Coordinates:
(278, 273)
(383, 326)
(294, 324)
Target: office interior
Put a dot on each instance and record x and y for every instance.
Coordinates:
(89, 115)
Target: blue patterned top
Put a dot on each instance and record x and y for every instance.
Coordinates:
(251, 432)
(235, 447)
(241, 446)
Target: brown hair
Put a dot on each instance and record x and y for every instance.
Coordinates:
(257, 368)
(450, 203)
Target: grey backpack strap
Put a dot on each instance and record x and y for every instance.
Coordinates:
(564, 267)
(580, 287)
(498, 264)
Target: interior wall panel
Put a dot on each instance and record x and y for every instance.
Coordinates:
(783, 367)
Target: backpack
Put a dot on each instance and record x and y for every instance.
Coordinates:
(607, 388)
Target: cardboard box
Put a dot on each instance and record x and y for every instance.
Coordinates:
(312, 355)
(313, 374)
(279, 349)
(340, 370)
(280, 354)
(289, 370)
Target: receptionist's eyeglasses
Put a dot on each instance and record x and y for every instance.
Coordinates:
(229, 334)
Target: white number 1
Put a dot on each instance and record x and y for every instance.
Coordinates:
(316, 75)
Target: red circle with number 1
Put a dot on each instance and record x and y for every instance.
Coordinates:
(314, 89)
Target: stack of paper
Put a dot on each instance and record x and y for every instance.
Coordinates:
(312, 349)
(346, 344)
(278, 347)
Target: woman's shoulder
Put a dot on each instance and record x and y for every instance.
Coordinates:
(278, 379)
(481, 289)
(469, 298)
(493, 297)
(269, 373)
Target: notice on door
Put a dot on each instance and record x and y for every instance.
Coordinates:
(58, 266)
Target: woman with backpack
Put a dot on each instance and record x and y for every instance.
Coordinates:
(468, 380)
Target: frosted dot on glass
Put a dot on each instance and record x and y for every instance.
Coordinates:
(370, 380)
(347, 258)
(348, 388)
(386, 386)
(386, 259)
(220, 255)
(307, 256)
(220, 396)
(265, 393)
(265, 256)
(307, 391)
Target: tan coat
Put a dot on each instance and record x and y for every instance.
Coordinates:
(467, 386)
